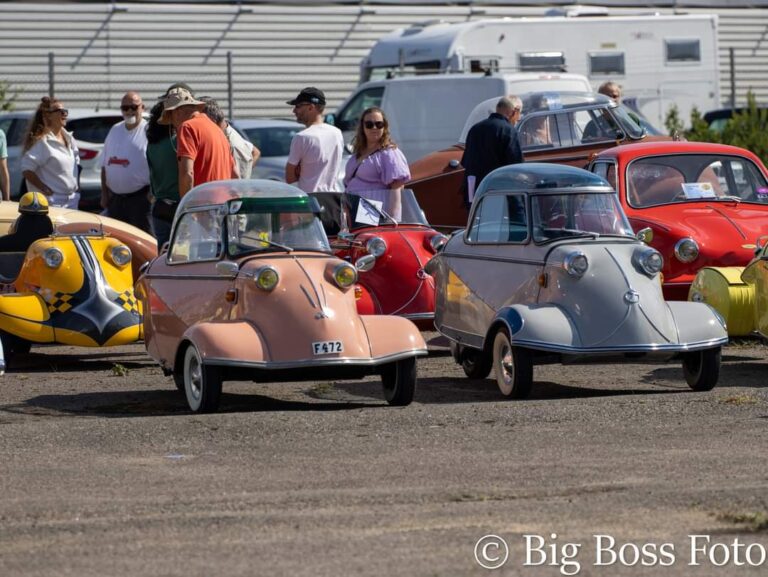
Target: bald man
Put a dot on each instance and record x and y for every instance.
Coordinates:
(124, 168)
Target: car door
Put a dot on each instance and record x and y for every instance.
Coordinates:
(185, 287)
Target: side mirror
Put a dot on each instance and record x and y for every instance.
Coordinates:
(365, 263)
(645, 235)
(227, 268)
(164, 248)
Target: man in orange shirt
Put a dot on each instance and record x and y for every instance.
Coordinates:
(203, 149)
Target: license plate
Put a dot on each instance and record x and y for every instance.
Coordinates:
(327, 347)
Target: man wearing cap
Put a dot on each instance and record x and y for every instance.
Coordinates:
(202, 148)
(314, 160)
(124, 168)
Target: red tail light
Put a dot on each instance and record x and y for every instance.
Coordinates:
(88, 154)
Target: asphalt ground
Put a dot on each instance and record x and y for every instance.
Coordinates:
(105, 473)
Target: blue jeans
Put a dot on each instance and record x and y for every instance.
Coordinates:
(162, 231)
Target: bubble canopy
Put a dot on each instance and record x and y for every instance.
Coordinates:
(538, 176)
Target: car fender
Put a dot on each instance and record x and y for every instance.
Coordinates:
(529, 325)
(227, 340)
(697, 322)
(24, 315)
(392, 335)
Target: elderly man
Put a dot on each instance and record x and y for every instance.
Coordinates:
(492, 143)
(202, 148)
(124, 169)
(611, 90)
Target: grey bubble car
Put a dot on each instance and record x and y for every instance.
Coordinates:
(549, 270)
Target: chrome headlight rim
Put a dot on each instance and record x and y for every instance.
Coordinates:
(686, 250)
(266, 278)
(576, 264)
(344, 282)
(650, 261)
(53, 257)
(376, 246)
(120, 255)
(437, 242)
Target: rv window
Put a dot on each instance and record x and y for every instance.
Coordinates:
(544, 61)
(683, 50)
(348, 117)
(606, 63)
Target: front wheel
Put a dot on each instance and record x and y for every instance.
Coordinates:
(202, 384)
(399, 382)
(476, 363)
(513, 367)
(702, 369)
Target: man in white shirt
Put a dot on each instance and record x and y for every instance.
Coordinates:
(314, 160)
(124, 168)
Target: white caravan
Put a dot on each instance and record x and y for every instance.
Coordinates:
(427, 112)
(659, 60)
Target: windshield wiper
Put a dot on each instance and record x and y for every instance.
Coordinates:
(269, 242)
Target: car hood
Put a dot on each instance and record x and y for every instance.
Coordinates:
(718, 224)
(613, 303)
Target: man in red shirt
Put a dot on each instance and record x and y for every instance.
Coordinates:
(203, 149)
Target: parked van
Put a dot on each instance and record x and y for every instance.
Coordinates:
(426, 113)
(660, 60)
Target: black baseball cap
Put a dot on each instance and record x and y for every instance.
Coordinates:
(309, 94)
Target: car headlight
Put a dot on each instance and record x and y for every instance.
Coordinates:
(437, 242)
(120, 255)
(267, 278)
(576, 264)
(650, 261)
(686, 250)
(376, 246)
(53, 257)
(345, 275)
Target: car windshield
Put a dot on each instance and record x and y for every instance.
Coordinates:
(630, 122)
(360, 212)
(272, 140)
(557, 216)
(679, 178)
(274, 224)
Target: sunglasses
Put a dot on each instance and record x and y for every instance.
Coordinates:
(63, 111)
(370, 124)
(131, 107)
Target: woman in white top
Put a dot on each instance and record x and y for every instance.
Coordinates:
(51, 159)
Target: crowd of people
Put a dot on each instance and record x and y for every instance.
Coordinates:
(149, 165)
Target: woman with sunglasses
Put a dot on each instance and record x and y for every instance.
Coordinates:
(378, 169)
(50, 162)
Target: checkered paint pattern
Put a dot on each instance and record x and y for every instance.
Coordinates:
(128, 301)
(59, 303)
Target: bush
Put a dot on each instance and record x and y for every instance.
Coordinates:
(747, 129)
(7, 100)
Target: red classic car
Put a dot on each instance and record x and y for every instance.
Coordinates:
(706, 204)
(577, 124)
(390, 254)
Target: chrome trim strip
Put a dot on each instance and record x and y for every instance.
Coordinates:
(647, 348)
(313, 362)
(419, 316)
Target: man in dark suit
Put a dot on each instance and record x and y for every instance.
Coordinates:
(492, 143)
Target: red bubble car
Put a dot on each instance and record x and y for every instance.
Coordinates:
(706, 204)
(389, 253)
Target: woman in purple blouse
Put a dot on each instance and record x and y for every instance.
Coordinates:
(377, 170)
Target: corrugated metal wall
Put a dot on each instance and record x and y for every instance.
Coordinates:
(101, 50)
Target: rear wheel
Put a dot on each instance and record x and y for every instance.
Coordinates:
(476, 363)
(702, 369)
(202, 384)
(513, 367)
(399, 382)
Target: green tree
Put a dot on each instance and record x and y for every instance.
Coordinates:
(7, 96)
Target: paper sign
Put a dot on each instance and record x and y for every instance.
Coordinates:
(367, 212)
(762, 192)
(698, 190)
